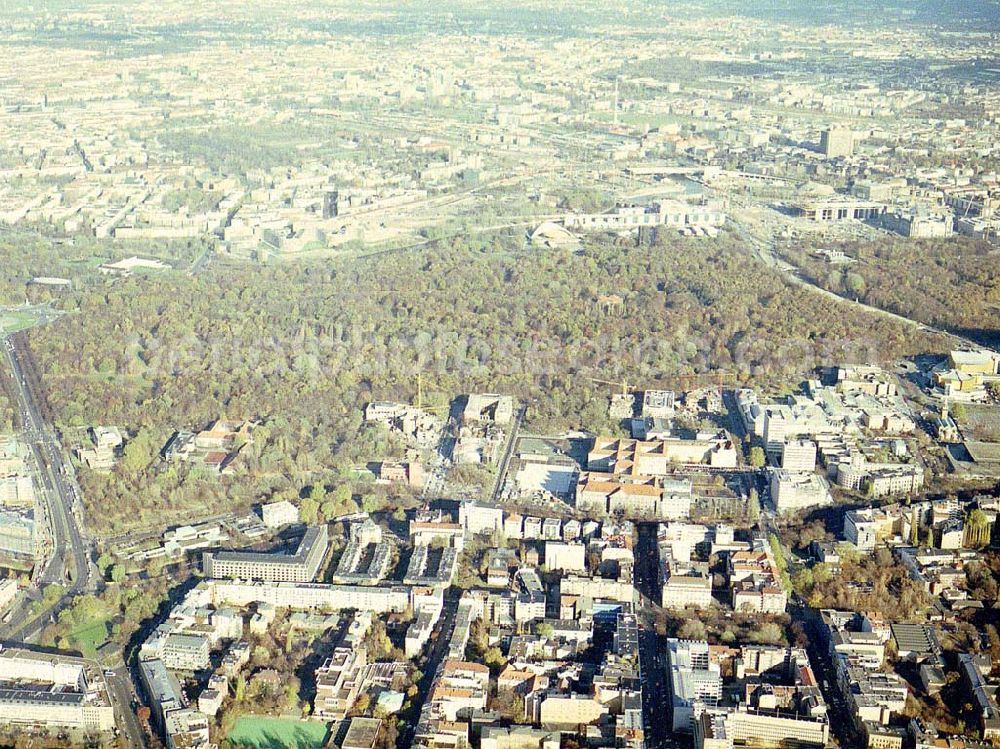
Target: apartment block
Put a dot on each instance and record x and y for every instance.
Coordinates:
(681, 591)
(185, 652)
(301, 565)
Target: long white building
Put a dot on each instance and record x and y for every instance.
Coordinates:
(303, 596)
(53, 691)
(669, 213)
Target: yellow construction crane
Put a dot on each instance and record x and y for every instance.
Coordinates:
(626, 386)
(684, 382)
(679, 383)
(420, 397)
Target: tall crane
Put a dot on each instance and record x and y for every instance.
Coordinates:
(420, 397)
(626, 386)
(679, 383)
(685, 382)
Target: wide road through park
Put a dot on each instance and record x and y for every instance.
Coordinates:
(68, 563)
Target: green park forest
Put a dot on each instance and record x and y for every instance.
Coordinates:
(302, 346)
(953, 284)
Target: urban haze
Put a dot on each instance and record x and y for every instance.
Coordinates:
(480, 375)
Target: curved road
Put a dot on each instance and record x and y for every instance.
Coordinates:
(793, 274)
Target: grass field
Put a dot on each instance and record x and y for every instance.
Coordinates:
(90, 262)
(653, 119)
(277, 733)
(16, 564)
(89, 637)
(12, 322)
(980, 422)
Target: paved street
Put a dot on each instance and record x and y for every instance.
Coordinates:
(70, 561)
(652, 647)
(435, 656)
(122, 691)
(201, 262)
(841, 722)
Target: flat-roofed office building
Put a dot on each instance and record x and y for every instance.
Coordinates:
(300, 566)
(53, 691)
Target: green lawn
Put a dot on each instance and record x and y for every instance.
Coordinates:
(90, 263)
(12, 322)
(15, 564)
(653, 119)
(277, 733)
(88, 637)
